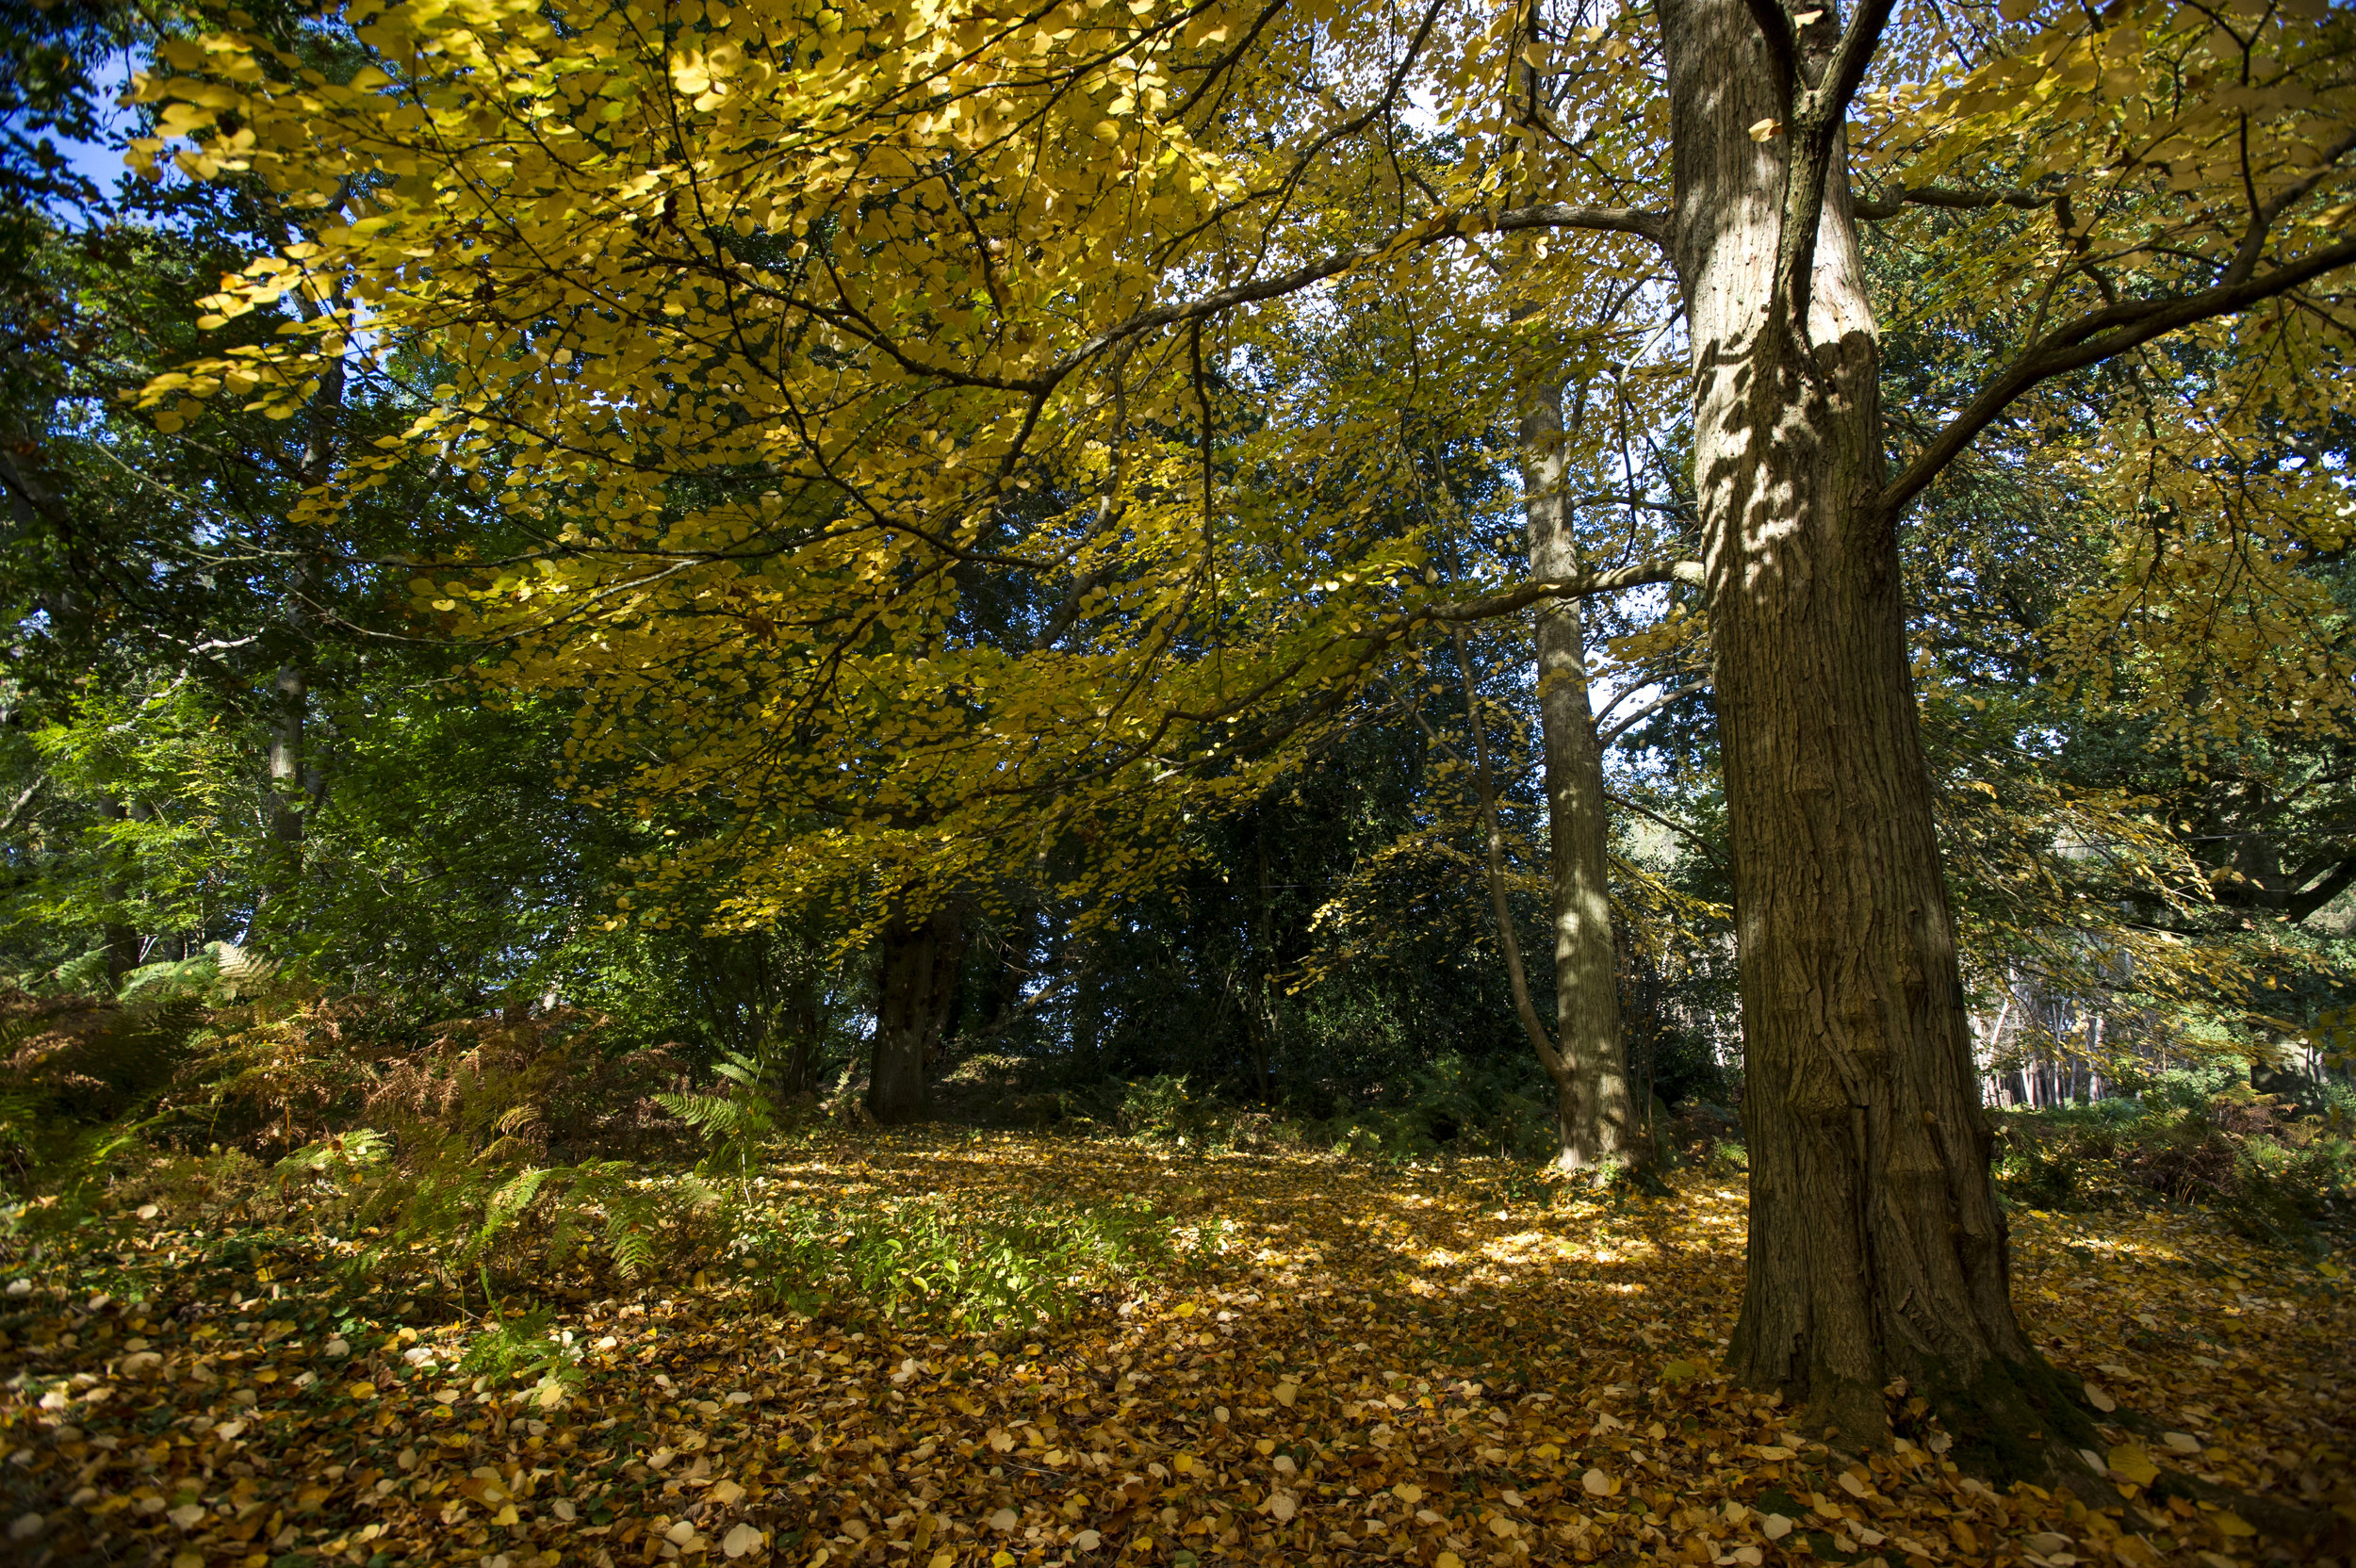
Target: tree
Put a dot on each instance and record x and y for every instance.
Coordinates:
(768, 310)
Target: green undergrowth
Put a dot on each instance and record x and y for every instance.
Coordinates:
(2278, 1168)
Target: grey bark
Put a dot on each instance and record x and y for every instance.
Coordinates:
(1590, 1072)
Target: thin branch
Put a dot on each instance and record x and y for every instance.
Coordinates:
(2096, 337)
(1518, 977)
(1585, 586)
(1605, 741)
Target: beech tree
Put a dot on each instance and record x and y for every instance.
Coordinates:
(789, 325)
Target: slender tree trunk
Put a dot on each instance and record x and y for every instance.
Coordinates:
(1597, 1120)
(1876, 1247)
(289, 711)
(1262, 1030)
(922, 956)
(800, 1022)
(120, 938)
(291, 771)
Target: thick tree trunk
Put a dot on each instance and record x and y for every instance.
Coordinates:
(917, 986)
(1876, 1247)
(1597, 1121)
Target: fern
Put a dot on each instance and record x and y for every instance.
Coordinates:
(735, 1127)
(92, 974)
(505, 1206)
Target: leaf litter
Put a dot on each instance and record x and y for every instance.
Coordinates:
(1342, 1365)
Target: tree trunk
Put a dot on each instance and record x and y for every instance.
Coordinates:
(1597, 1120)
(290, 773)
(121, 938)
(289, 711)
(920, 958)
(1876, 1247)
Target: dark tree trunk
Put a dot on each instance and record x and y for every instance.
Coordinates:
(918, 984)
(120, 938)
(1876, 1247)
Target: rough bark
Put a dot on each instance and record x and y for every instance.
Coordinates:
(920, 958)
(1876, 1247)
(1596, 1116)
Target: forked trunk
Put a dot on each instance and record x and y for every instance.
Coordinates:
(1876, 1247)
(918, 984)
(1591, 1076)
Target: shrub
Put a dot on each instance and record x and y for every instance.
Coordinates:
(2268, 1168)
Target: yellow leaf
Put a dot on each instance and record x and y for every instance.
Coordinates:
(2132, 1463)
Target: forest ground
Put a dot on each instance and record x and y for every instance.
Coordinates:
(1343, 1363)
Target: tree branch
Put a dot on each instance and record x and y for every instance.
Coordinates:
(2300, 905)
(1541, 1038)
(2092, 339)
(1875, 211)
(1631, 721)
(1507, 601)
(1553, 215)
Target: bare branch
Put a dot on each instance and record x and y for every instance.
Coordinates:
(1655, 706)
(1507, 601)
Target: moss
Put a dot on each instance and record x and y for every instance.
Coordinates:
(2016, 1420)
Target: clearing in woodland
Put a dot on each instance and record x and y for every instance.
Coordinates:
(1244, 1357)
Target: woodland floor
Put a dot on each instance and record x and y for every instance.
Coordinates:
(1361, 1364)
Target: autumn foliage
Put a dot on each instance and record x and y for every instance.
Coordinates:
(1443, 1364)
